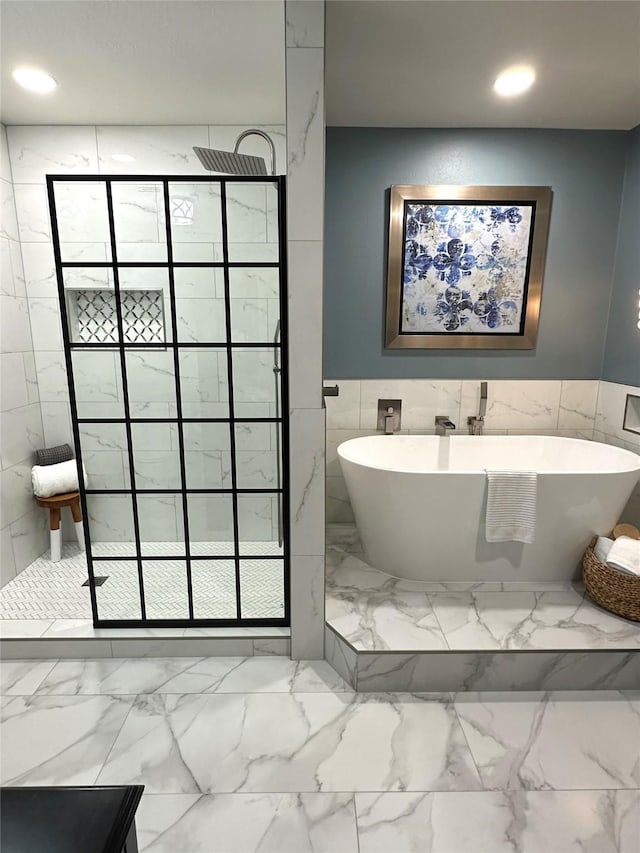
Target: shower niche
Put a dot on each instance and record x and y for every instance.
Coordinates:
(173, 296)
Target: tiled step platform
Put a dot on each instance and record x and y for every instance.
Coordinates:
(388, 634)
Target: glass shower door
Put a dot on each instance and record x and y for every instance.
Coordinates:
(174, 327)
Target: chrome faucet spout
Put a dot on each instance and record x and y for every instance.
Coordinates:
(444, 425)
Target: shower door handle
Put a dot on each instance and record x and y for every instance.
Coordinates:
(277, 371)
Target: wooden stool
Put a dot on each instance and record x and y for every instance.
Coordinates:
(54, 504)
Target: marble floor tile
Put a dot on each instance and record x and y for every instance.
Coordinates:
(559, 740)
(22, 677)
(500, 822)
(23, 628)
(245, 823)
(58, 740)
(559, 619)
(374, 611)
(385, 620)
(377, 612)
(191, 675)
(304, 742)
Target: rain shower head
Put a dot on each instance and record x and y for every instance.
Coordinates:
(232, 163)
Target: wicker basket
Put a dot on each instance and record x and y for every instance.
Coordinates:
(610, 588)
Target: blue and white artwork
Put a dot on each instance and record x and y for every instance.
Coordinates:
(465, 267)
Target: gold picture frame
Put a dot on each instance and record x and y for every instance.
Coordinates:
(465, 266)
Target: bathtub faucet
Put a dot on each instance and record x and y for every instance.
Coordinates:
(444, 425)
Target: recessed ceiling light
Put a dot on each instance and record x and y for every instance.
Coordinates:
(123, 158)
(34, 80)
(514, 81)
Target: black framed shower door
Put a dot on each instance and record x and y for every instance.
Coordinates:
(174, 318)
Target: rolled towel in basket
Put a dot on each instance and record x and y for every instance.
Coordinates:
(49, 480)
(602, 548)
(625, 555)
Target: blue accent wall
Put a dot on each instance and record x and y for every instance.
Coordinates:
(622, 352)
(585, 170)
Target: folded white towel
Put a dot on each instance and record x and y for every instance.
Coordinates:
(603, 546)
(49, 480)
(625, 555)
(511, 506)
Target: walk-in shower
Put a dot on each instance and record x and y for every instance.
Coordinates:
(173, 297)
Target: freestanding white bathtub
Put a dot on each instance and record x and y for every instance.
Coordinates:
(420, 503)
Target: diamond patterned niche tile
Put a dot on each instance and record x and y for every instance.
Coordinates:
(142, 316)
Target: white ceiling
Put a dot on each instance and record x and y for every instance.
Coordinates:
(146, 61)
(392, 63)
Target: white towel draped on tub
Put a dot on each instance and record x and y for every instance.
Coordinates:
(511, 506)
(49, 480)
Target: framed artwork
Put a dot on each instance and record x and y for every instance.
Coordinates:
(466, 266)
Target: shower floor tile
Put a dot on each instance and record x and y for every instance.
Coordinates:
(54, 591)
(376, 612)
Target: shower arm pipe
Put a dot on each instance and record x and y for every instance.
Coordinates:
(255, 132)
(276, 375)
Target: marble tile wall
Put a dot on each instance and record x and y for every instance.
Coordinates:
(36, 151)
(305, 202)
(23, 533)
(587, 409)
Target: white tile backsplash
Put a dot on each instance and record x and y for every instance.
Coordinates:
(569, 408)
(305, 135)
(305, 23)
(422, 401)
(156, 150)
(516, 404)
(8, 222)
(40, 150)
(578, 399)
(612, 399)
(343, 411)
(15, 332)
(32, 210)
(5, 164)
(46, 325)
(22, 433)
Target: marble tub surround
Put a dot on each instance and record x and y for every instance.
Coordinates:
(318, 769)
(376, 612)
(384, 633)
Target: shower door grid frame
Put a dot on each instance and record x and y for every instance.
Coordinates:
(282, 489)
